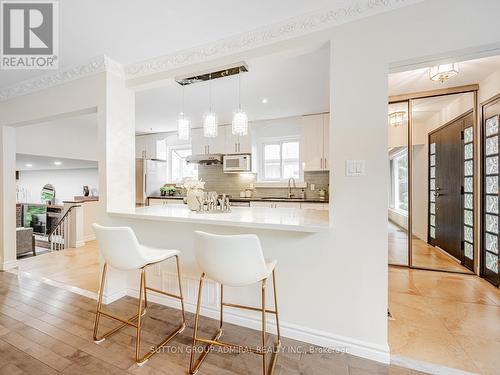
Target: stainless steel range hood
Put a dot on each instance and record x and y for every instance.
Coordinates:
(207, 159)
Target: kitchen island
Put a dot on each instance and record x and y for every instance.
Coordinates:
(286, 219)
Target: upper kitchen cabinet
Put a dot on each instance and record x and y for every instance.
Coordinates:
(235, 144)
(316, 142)
(203, 145)
(150, 147)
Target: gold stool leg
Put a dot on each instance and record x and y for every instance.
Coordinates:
(264, 362)
(142, 290)
(278, 345)
(99, 304)
(180, 289)
(221, 306)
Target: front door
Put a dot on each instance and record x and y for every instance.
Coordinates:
(446, 176)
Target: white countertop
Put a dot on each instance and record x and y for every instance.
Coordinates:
(287, 219)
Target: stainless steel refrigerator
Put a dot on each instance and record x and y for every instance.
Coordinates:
(150, 176)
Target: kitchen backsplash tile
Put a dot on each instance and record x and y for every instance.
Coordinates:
(233, 183)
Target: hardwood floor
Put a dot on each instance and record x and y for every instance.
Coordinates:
(424, 255)
(47, 330)
(447, 319)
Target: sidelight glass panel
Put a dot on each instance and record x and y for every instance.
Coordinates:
(468, 184)
(468, 201)
(468, 168)
(433, 172)
(492, 165)
(492, 184)
(492, 224)
(433, 220)
(468, 151)
(492, 243)
(433, 148)
(433, 160)
(433, 232)
(492, 126)
(492, 262)
(433, 184)
(468, 217)
(468, 234)
(492, 145)
(492, 204)
(433, 208)
(432, 197)
(468, 135)
(469, 250)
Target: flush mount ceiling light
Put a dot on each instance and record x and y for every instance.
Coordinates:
(57, 163)
(264, 101)
(240, 118)
(28, 165)
(397, 118)
(443, 72)
(210, 121)
(183, 126)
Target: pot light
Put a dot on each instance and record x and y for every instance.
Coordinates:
(264, 101)
(240, 119)
(29, 165)
(397, 118)
(210, 121)
(57, 163)
(443, 72)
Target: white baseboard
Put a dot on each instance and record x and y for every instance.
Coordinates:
(107, 299)
(426, 367)
(293, 331)
(90, 237)
(8, 265)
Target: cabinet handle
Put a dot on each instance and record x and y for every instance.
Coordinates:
(321, 163)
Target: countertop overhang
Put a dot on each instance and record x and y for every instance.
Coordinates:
(285, 219)
(255, 199)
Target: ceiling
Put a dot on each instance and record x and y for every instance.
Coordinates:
(47, 163)
(471, 71)
(130, 31)
(293, 82)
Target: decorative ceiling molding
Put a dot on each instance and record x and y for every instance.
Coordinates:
(291, 28)
(94, 66)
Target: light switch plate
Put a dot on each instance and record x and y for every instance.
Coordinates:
(354, 168)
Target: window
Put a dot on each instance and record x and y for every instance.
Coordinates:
(399, 181)
(178, 168)
(280, 160)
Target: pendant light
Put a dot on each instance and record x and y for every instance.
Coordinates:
(240, 119)
(443, 72)
(183, 125)
(210, 120)
(397, 118)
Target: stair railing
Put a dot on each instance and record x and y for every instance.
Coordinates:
(58, 238)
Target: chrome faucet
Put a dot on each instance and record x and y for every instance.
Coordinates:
(290, 194)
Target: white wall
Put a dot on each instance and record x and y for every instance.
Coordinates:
(72, 138)
(67, 182)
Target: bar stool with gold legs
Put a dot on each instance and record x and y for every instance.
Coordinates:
(234, 261)
(121, 250)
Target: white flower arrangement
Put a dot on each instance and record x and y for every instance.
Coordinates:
(190, 183)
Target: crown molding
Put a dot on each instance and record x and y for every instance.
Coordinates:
(289, 29)
(96, 65)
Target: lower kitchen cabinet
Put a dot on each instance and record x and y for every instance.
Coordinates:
(315, 206)
(162, 201)
(304, 205)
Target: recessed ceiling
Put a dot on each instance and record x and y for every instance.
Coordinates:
(293, 83)
(470, 72)
(23, 162)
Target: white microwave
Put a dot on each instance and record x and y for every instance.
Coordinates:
(237, 163)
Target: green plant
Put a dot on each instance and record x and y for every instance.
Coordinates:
(168, 189)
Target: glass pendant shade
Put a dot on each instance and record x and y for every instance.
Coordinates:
(443, 72)
(183, 127)
(240, 123)
(397, 118)
(210, 125)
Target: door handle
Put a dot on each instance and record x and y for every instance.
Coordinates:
(436, 194)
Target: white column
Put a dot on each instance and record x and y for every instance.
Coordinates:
(75, 226)
(7, 197)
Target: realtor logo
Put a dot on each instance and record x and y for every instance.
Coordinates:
(29, 34)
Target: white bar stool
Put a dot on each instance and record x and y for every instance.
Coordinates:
(121, 250)
(234, 261)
